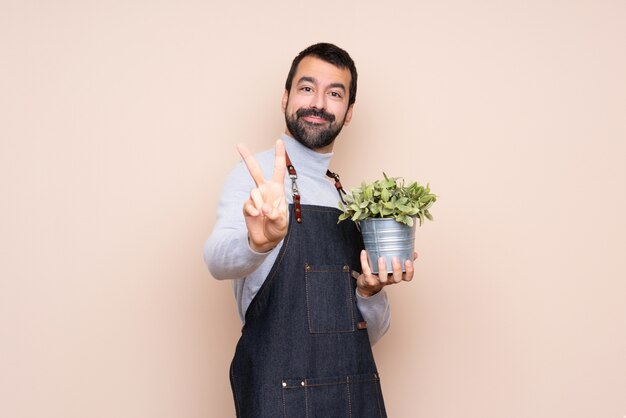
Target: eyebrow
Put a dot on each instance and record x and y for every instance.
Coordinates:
(314, 81)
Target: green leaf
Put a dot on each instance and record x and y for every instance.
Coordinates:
(407, 220)
(389, 197)
(385, 195)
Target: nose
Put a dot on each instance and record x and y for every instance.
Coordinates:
(318, 100)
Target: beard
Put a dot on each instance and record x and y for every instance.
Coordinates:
(313, 135)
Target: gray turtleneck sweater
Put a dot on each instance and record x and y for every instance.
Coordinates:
(228, 254)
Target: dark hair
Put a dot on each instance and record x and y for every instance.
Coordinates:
(331, 54)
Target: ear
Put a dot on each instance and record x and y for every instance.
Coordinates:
(348, 115)
(284, 101)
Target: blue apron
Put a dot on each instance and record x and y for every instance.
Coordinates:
(304, 350)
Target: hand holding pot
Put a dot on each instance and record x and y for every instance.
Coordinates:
(368, 284)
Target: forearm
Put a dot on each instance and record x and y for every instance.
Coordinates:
(376, 312)
(229, 256)
(227, 252)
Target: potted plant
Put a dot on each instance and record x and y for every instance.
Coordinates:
(386, 212)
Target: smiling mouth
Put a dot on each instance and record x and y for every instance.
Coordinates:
(315, 120)
(314, 117)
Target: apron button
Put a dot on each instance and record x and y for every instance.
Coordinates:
(284, 384)
(346, 268)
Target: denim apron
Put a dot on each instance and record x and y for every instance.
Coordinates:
(304, 349)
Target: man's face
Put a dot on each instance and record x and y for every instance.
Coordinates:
(317, 107)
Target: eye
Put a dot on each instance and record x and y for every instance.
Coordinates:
(336, 94)
(306, 89)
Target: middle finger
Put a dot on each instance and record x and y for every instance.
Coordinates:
(382, 270)
(397, 269)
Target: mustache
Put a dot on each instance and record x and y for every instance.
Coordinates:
(316, 113)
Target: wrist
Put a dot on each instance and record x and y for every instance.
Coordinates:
(261, 249)
(366, 293)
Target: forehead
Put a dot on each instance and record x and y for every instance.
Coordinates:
(323, 72)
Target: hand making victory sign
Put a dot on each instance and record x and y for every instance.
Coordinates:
(265, 211)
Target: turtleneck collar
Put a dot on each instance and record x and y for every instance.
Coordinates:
(304, 159)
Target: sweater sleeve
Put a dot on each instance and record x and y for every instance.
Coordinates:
(227, 252)
(376, 312)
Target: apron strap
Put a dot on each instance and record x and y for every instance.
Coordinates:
(295, 193)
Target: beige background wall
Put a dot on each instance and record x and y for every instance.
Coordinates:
(118, 122)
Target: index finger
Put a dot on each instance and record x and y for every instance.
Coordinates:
(280, 162)
(365, 265)
(253, 167)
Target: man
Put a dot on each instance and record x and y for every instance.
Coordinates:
(310, 304)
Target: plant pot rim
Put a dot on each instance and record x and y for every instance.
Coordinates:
(385, 220)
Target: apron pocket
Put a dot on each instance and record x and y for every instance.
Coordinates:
(356, 396)
(366, 399)
(329, 299)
